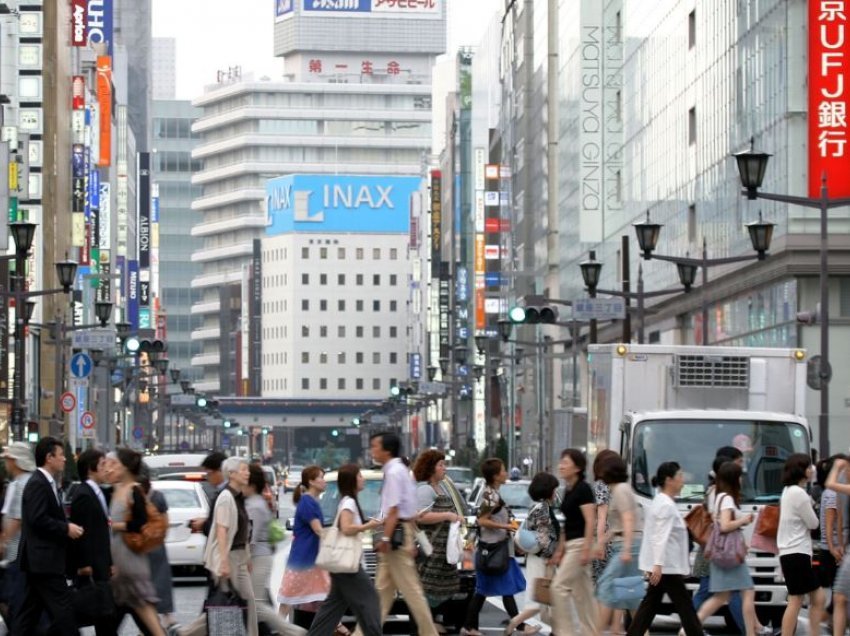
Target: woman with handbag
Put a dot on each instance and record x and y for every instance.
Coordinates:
(541, 521)
(496, 572)
(797, 519)
(132, 586)
(625, 528)
(350, 590)
(729, 520)
(664, 556)
(440, 579)
(573, 605)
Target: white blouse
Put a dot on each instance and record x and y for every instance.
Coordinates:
(665, 538)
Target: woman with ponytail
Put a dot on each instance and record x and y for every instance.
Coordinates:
(304, 584)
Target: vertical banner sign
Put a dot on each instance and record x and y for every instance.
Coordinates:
(436, 221)
(103, 128)
(4, 332)
(79, 13)
(121, 282)
(143, 203)
(444, 300)
(155, 289)
(829, 154)
(591, 124)
(256, 332)
(99, 23)
(78, 92)
(133, 295)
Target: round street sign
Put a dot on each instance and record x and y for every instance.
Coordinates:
(68, 402)
(138, 432)
(87, 420)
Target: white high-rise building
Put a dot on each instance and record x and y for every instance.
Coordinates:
(164, 68)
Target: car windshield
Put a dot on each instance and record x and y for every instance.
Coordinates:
(369, 499)
(515, 494)
(460, 475)
(693, 444)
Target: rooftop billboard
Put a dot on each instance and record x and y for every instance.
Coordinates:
(339, 203)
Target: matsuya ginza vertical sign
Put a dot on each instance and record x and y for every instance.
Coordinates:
(828, 64)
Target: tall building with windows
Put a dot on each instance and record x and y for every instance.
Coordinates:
(336, 112)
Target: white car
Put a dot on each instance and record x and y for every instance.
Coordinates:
(186, 501)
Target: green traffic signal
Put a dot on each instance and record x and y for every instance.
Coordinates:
(517, 314)
(395, 390)
(201, 402)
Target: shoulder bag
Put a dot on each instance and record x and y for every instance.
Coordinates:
(767, 524)
(699, 523)
(726, 550)
(338, 552)
(152, 534)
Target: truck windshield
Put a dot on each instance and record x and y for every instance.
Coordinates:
(693, 444)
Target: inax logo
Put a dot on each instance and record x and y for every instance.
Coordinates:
(348, 196)
(78, 24)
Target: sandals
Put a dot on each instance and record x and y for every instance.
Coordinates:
(341, 630)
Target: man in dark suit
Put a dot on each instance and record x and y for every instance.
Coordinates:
(90, 562)
(44, 538)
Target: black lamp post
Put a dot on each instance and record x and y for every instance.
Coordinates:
(175, 375)
(184, 385)
(103, 312)
(752, 167)
(648, 233)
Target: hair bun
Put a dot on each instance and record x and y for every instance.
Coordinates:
(654, 482)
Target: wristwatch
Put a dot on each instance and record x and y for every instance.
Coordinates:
(385, 539)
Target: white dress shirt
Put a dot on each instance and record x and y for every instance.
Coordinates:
(665, 538)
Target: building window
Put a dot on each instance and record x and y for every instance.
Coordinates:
(376, 305)
(340, 279)
(305, 304)
(376, 357)
(358, 305)
(305, 331)
(340, 331)
(359, 253)
(305, 384)
(323, 358)
(393, 332)
(340, 253)
(359, 279)
(692, 126)
(340, 305)
(393, 305)
(692, 29)
(340, 357)
(323, 279)
(358, 384)
(305, 357)
(323, 253)
(323, 331)
(393, 357)
(376, 384)
(376, 253)
(305, 279)
(393, 280)
(305, 252)
(358, 331)
(340, 384)
(376, 280)
(393, 254)
(323, 305)
(323, 384)
(359, 357)
(376, 331)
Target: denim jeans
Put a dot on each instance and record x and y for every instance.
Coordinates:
(735, 607)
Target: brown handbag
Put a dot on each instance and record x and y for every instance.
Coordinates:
(767, 524)
(542, 593)
(699, 523)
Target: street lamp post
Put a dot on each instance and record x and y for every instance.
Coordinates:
(752, 166)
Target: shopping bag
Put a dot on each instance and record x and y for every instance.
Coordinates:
(541, 591)
(629, 588)
(454, 544)
(338, 552)
(227, 612)
(698, 521)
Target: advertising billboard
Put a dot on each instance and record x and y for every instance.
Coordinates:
(99, 23)
(382, 8)
(339, 203)
(283, 9)
(79, 10)
(436, 221)
(133, 294)
(103, 127)
(829, 154)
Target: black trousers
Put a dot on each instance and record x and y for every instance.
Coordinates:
(478, 602)
(674, 586)
(349, 591)
(50, 593)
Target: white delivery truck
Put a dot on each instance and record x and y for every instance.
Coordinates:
(657, 403)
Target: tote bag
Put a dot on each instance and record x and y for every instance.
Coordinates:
(338, 552)
(726, 550)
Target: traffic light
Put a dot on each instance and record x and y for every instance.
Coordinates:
(334, 433)
(201, 402)
(226, 424)
(533, 310)
(152, 346)
(395, 391)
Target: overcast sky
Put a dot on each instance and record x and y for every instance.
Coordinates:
(216, 34)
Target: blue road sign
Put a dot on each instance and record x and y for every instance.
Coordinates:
(225, 441)
(138, 432)
(81, 365)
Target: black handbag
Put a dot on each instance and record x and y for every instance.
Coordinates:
(227, 612)
(492, 558)
(92, 602)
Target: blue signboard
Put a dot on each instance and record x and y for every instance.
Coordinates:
(99, 23)
(133, 294)
(145, 318)
(339, 203)
(154, 209)
(338, 6)
(283, 7)
(94, 188)
(81, 365)
(415, 366)
(492, 279)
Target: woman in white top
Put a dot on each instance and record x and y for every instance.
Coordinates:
(797, 519)
(354, 591)
(836, 481)
(664, 556)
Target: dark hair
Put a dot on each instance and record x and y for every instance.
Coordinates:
(729, 451)
(307, 475)
(131, 460)
(729, 480)
(597, 461)
(824, 466)
(87, 462)
(46, 446)
(795, 469)
(145, 479)
(426, 464)
(256, 478)
(390, 442)
(542, 486)
(214, 460)
(490, 468)
(665, 471)
(346, 482)
(578, 459)
(613, 470)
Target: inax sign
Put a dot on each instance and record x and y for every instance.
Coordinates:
(337, 203)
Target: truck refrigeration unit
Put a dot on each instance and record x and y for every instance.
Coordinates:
(657, 403)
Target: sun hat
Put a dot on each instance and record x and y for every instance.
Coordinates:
(22, 454)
